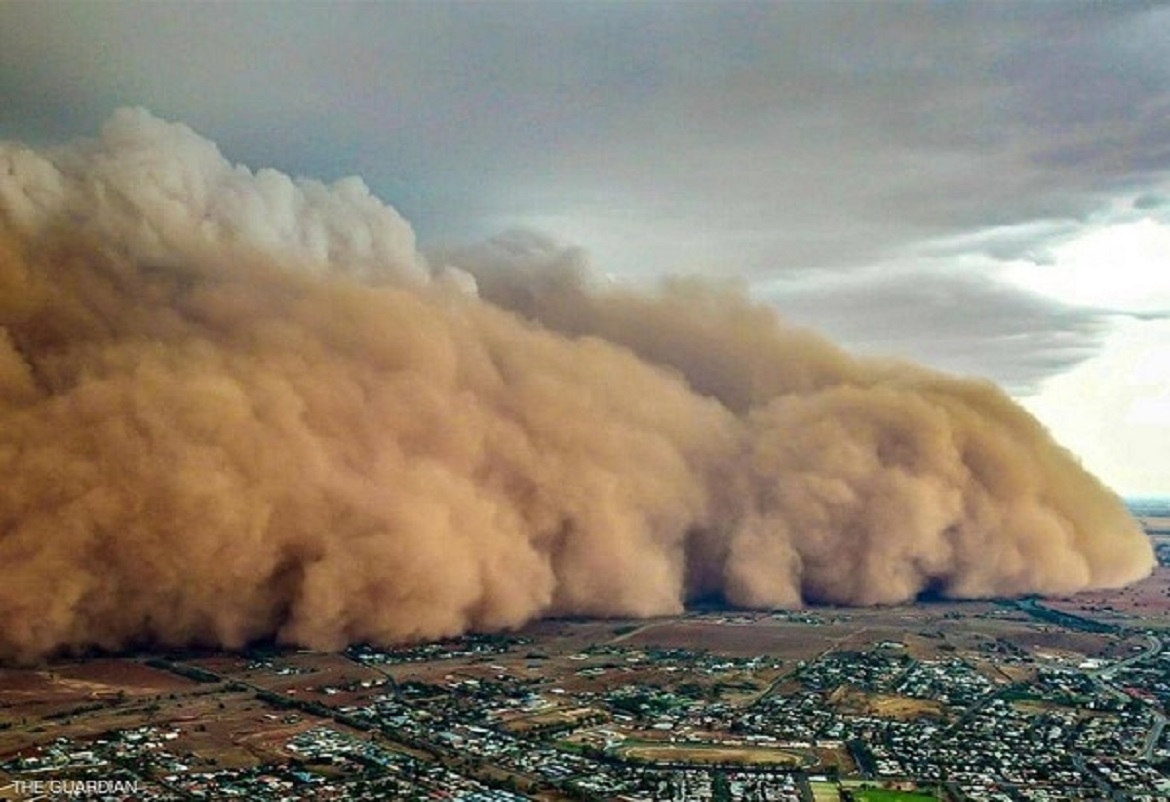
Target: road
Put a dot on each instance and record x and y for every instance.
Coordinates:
(1153, 648)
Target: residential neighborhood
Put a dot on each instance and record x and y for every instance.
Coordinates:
(983, 701)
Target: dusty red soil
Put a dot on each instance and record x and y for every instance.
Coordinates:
(1148, 599)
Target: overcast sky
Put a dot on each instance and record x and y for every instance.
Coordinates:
(984, 187)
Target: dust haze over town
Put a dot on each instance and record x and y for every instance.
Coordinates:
(629, 418)
(243, 407)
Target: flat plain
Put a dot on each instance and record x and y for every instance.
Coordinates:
(685, 694)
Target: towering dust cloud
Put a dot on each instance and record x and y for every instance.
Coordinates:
(237, 406)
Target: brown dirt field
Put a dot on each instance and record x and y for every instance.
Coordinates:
(97, 679)
(20, 686)
(214, 735)
(314, 672)
(522, 724)
(795, 635)
(1063, 642)
(802, 635)
(998, 672)
(83, 699)
(1028, 635)
(84, 723)
(1148, 600)
(780, 639)
(1035, 707)
(1017, 673)
(971, 630)
(560, 636)
(899, 707)
(224, 664)
(127, 675)
(657, 675)
(902, 708)
(440, 672)
(236, 730)
(748, 755)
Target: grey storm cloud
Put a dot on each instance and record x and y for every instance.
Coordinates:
(807, 134)
(962, 323)
(1150, 201)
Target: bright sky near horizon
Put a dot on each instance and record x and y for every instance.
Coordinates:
(981, 187)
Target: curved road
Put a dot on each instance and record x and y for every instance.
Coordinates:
(1152, 650)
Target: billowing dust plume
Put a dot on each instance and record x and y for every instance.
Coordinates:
(236, 406)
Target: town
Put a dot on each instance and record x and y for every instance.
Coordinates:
(983, 700)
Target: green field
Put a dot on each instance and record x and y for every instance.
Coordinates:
(882, 795)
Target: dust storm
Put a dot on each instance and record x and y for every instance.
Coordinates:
(236, 405)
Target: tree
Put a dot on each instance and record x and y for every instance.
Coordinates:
(720, 788)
